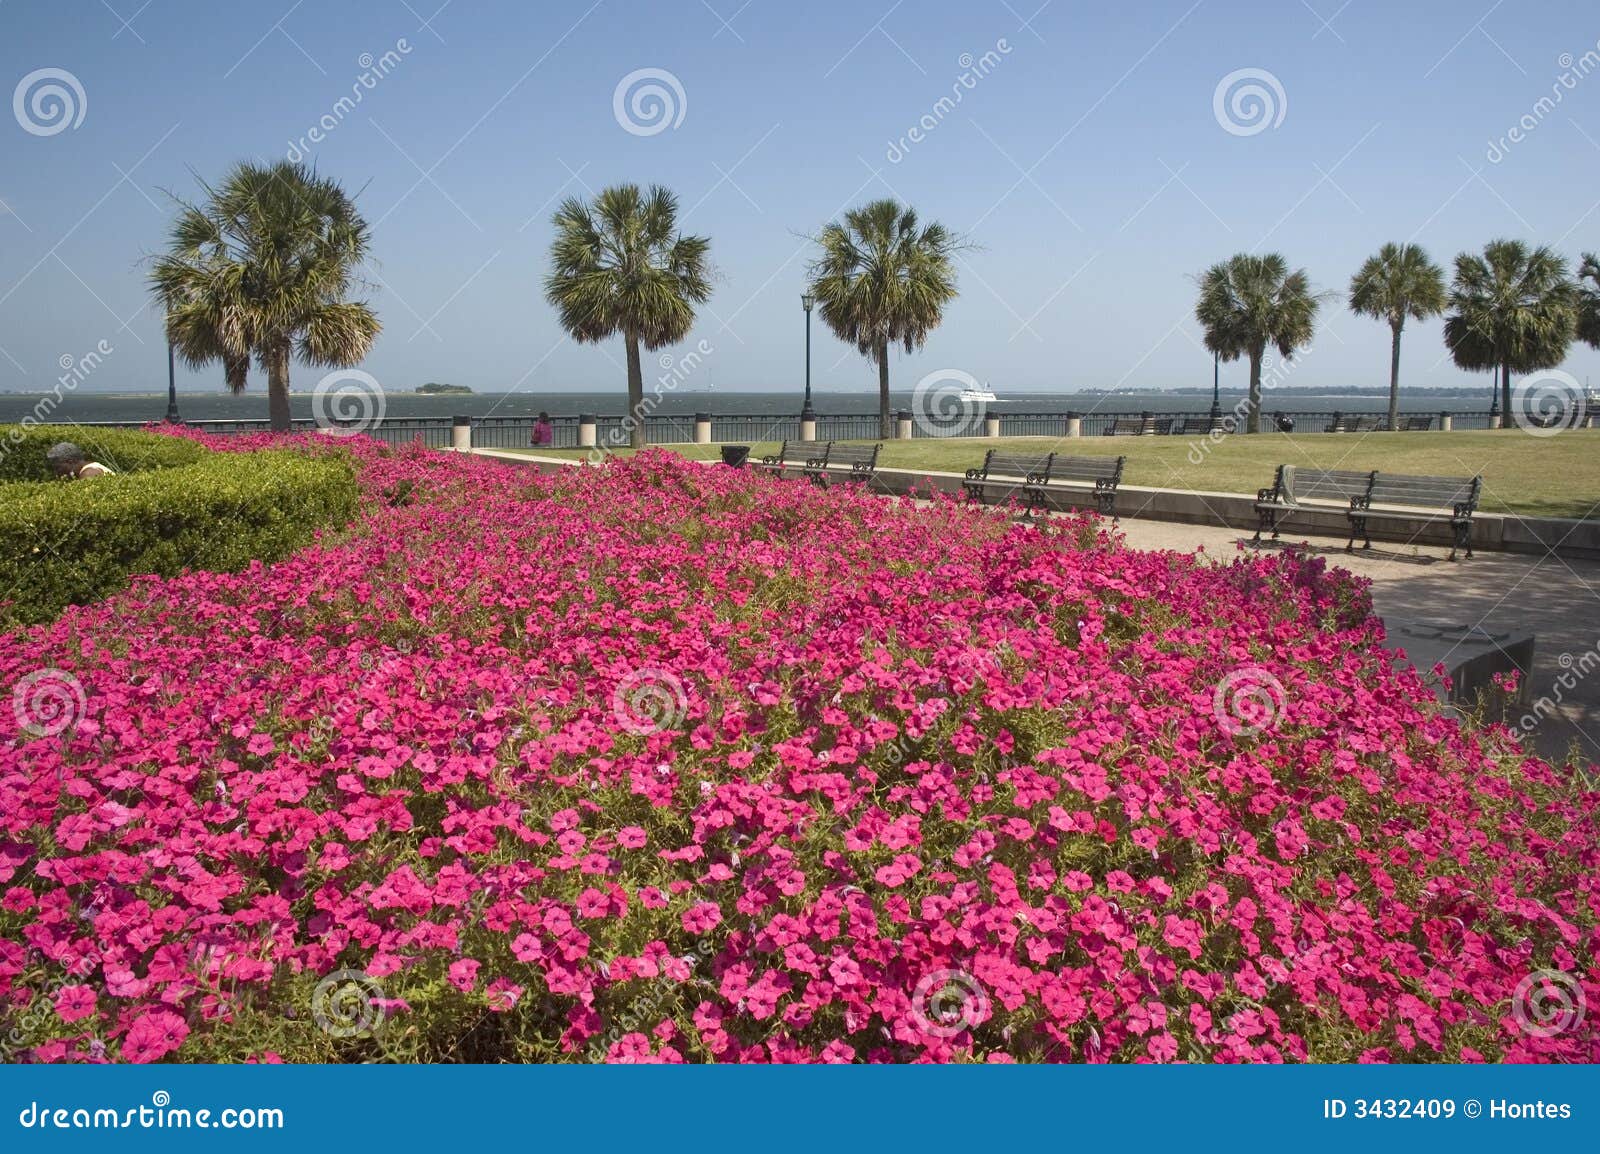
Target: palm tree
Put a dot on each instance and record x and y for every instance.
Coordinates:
(881, 280)
(262, 270)
(1589, 300)
(619, 266)
(1399, 282)
(1249, 302)
(1511, 310)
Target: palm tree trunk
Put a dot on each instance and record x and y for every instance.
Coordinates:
(1505, 396)
(1253, 419)
(885, 422)
(1394, 380)
(635, 393)
(278, 390)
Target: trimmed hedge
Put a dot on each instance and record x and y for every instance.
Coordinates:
(70, 543)
(22, 449)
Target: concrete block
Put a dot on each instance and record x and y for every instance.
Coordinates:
(1471, 655)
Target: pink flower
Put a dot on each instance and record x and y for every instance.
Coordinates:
(503, 995)
(154, 1036)
(1184, 934)
(701, 917)
(74, 1002)
(844, 971)
(904, 738)
(464, 974)
(904, 867)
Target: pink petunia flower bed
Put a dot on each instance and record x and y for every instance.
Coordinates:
(667, 763)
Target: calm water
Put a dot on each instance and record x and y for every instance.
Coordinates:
(87, 406)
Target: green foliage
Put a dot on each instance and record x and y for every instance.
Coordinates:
(880, 280)
(22, 449)
(619, 266)
(1250, 303)
(70, 543)
(263, 270)
(1399, 282)
(1512, 309)
(1589, 300)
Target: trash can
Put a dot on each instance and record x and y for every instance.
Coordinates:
(734, 456)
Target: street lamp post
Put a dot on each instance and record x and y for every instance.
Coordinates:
(172, 388)
(806, 412)
(1216, 389)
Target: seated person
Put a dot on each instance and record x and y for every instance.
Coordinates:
(69, 463)
(543, 432)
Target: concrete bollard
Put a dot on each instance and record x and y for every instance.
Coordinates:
(461, 434)
(902, 425)
(1446, 423)
(1074, 425)
(991, 426)
(585, 431)
(808, 428)
(702, 428)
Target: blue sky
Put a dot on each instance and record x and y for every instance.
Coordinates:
(1088, 165)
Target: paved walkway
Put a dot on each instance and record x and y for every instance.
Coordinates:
(1556, 599)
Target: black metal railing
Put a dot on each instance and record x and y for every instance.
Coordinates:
(611, 431)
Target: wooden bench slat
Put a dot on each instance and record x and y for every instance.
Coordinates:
(855, 463)
(1084, 468)
(998, 463)
(789, 455)
(851, 454)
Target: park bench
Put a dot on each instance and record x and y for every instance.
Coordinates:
(1352, 424)
(1199, 425)
(1415, 424)
(1370, 496)
(851, 462)
(1400, 497)
(1038, 477)
(790, 455)
(1301, 490)
(1138, 426)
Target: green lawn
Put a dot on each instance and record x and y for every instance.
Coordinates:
(1556, 476)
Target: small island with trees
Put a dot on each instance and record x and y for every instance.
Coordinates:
(434, 388)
